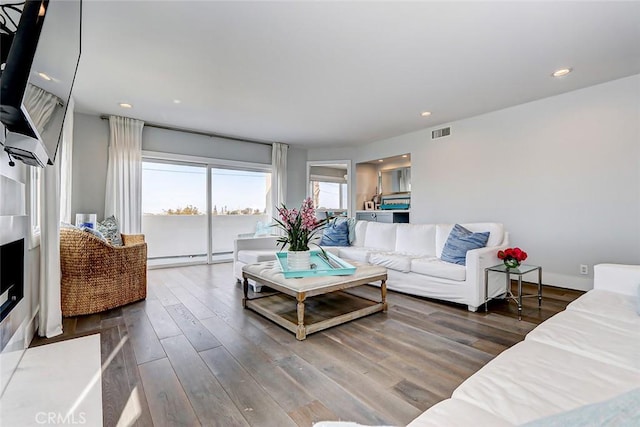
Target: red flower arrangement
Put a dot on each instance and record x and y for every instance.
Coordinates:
(512, 257)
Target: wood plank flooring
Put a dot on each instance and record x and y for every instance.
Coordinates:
(190, 355)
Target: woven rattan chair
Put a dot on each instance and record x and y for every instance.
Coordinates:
(97, 276)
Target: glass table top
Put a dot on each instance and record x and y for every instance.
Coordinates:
(522, 269)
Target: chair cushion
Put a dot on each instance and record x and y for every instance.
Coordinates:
(335, 234)
(460, 241)
(251, 256)
(109, 229)
(435, 267)
(391, 260)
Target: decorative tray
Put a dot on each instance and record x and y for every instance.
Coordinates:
(334, 267)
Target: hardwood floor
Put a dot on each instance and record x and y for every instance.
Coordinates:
(190, 355)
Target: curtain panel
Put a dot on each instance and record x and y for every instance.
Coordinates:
(278, 176)
(124, 174)
(41, 105)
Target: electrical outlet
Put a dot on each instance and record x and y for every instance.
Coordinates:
(584, 269)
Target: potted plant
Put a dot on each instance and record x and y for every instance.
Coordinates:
(512, 257)
(299, 227)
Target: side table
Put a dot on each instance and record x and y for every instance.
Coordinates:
(519, 271)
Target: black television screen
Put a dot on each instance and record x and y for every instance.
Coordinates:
(51, 66)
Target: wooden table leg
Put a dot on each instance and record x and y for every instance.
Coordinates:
(245, 290)
(383, 293)
(301, 333)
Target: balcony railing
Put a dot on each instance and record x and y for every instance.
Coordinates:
(184, 237)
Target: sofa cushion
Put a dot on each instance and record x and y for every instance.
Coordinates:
(604, 305)
(335, 234)
(460, 241)
(251, 256)
(392, 260)
(622, 410)
(416, 239)
(496, 233)
(380, 236)
(355, 253)
(455, 412)
(612, 342)
(532, 380)
(435, 267)
(360, 229)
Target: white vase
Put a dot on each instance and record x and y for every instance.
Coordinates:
(299, 260)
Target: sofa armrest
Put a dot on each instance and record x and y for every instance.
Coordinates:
(254, 243)
(477, 260)
(619, 278)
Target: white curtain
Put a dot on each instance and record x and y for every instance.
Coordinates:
(278, 176)
(41, 105)
(66, 160)
(124, 174)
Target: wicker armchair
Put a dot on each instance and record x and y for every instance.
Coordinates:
(97, 276)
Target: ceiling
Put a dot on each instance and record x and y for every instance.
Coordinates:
(342, 73)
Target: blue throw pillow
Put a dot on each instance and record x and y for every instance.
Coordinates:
(460, 241)
(335, 234)
(352, 227)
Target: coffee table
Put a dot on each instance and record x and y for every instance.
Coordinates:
(279, 309)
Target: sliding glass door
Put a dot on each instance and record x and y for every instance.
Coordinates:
(239, 207)
(192, 212)
(174, 206)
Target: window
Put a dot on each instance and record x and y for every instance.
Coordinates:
(174, 208)
(193, 210)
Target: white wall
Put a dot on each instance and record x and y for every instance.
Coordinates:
(90, 151)
(296, 176)
(562, 174)
(18, 328)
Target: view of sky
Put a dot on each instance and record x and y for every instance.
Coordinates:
(170, 186)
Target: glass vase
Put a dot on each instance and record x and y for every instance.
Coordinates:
(511, 263)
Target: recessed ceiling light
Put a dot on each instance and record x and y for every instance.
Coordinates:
(425, 113)
(44, 76)
(381, 160)
(125, 105)
(176, 101)
(561, 72)
(405, 156)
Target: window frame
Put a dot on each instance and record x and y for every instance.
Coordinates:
(210, 163)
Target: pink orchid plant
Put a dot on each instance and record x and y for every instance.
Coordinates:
(299, 225)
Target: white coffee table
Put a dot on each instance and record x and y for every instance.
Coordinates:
(278, 310)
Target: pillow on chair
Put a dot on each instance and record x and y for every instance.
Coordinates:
(109, 229)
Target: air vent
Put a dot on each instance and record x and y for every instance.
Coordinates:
(439, 133)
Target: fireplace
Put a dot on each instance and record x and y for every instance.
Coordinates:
(11, 276)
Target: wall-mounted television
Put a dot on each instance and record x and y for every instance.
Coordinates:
(41, 45)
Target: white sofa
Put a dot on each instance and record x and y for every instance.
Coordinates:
(585, 355)
(411, 253)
